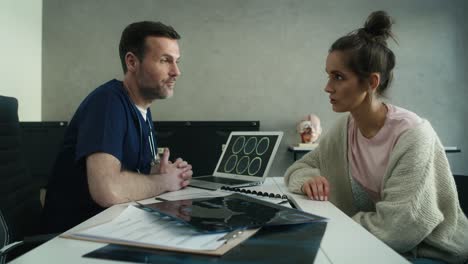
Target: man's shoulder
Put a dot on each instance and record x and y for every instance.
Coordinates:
(111, 91)
(111, 88)
(110, 96)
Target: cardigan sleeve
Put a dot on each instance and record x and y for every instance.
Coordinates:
(302, 170)
(317, 162)
(409, 210)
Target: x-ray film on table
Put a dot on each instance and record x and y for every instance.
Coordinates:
(231, 212)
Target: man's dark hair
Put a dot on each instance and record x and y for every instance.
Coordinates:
(134, 36)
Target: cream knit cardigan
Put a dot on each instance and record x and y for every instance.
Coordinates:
(419, 213)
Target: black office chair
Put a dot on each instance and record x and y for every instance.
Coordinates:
(20, 206)
(462, 187)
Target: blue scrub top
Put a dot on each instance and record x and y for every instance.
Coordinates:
(106, 121)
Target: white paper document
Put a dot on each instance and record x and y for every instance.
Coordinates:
(134, 225)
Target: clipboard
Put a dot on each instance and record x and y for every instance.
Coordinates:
(266, 246)
(231, 240)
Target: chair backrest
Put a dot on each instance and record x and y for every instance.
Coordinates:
(19, 198)
(462, 188)
(4, 237)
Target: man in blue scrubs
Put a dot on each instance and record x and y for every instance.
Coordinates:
(109, 155)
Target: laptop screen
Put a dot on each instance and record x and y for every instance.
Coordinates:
(248, 154)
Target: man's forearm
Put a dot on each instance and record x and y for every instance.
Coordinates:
(131, 186)
(109, 185)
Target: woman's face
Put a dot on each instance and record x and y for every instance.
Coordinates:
(347, 92)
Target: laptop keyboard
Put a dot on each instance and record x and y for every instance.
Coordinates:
(222, 180)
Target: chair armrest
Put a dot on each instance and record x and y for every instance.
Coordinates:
(28, 242)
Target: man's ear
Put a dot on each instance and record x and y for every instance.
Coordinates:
(374, 81)
(131, 61)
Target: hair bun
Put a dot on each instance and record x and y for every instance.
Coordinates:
(379, 25)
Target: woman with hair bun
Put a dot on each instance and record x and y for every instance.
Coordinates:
(382, 165)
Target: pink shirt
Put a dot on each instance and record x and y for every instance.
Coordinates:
(368, 157)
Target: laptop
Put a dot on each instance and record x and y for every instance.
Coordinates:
(245, 161)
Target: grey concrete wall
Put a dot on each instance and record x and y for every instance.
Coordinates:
(262, 59)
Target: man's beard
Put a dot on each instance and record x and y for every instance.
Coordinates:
(153, 93)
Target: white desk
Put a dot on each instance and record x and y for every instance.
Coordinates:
(344, 240)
